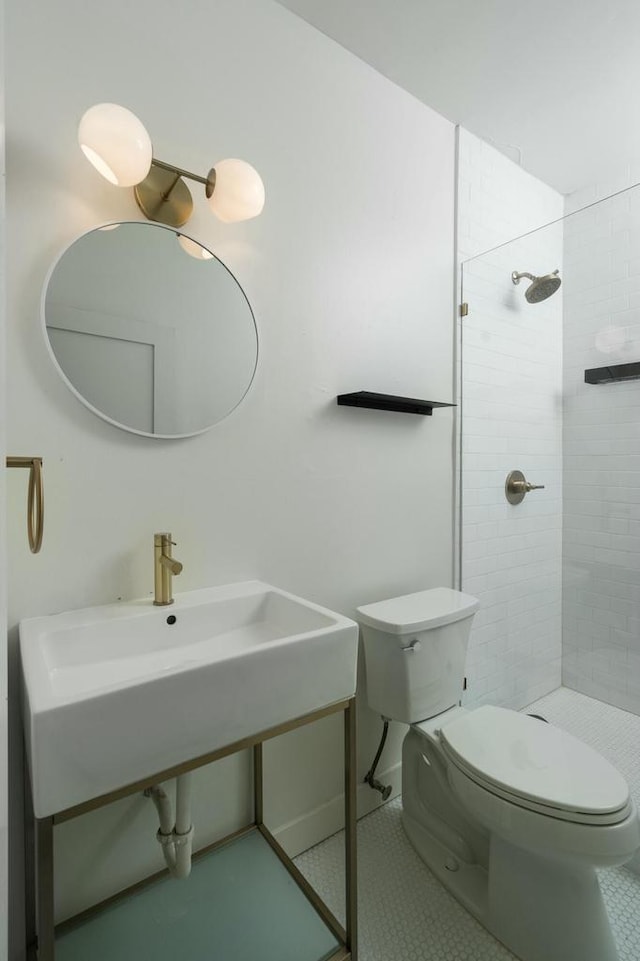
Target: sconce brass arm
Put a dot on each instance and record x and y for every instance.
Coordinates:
(163, 195)
(35, 500)
(179, 171)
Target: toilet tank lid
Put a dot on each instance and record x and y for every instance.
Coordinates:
(418, 612)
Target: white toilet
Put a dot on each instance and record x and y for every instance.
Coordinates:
(512, 814)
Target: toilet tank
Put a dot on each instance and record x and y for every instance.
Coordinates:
(415, 648)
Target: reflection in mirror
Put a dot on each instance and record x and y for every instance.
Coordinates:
(149, 329)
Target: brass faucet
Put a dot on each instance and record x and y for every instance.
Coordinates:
(164, 566)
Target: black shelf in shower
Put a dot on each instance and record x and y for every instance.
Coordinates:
(613, 374)
(406, 405)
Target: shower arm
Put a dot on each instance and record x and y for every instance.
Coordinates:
(517, 277)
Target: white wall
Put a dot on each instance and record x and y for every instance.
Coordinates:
(601, 599)
(349, 274)
(511, 381)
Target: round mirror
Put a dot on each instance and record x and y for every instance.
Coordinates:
(149, 329)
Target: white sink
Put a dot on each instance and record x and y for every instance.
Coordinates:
(118, 693)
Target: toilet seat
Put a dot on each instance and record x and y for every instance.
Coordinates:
(573, 817)
(535, 766)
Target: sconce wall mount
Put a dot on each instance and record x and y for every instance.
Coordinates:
(117, 144)
(163, 195)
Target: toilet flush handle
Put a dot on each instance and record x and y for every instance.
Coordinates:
(412, 648)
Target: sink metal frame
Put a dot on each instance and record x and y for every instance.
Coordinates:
(40, 922)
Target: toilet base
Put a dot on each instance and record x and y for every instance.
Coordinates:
(540, 910)
(467, 882)
(546, 910)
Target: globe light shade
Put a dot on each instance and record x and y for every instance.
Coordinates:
(116, 143)
(193, 248)
(238, 193)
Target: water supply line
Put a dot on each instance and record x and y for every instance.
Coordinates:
(370, 778)
(176, 838)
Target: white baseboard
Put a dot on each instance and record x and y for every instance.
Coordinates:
(327, 819)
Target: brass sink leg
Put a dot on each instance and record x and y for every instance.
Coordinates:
(258, 793)
(44, 898)
(350, 792)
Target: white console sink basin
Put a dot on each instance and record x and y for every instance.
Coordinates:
(118, 693)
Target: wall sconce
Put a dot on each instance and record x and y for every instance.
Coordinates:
(119, 147)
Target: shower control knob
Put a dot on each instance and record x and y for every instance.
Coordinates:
(516, 486)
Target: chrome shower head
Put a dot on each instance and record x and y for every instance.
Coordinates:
(541, 288)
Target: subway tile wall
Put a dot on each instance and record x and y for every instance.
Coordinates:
(510, 377)
(601, 569)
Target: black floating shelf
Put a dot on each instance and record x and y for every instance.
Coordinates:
(612, 375)
(407, 405)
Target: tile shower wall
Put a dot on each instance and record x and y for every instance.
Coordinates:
(601, 563)
(511, 374)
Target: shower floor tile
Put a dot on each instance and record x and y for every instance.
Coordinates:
(404, 912)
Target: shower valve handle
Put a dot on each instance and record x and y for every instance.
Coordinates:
(516, 486)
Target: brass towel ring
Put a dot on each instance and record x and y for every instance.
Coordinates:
(35, 499)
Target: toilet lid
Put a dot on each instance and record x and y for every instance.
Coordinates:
(418, 612)
(534, 761)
